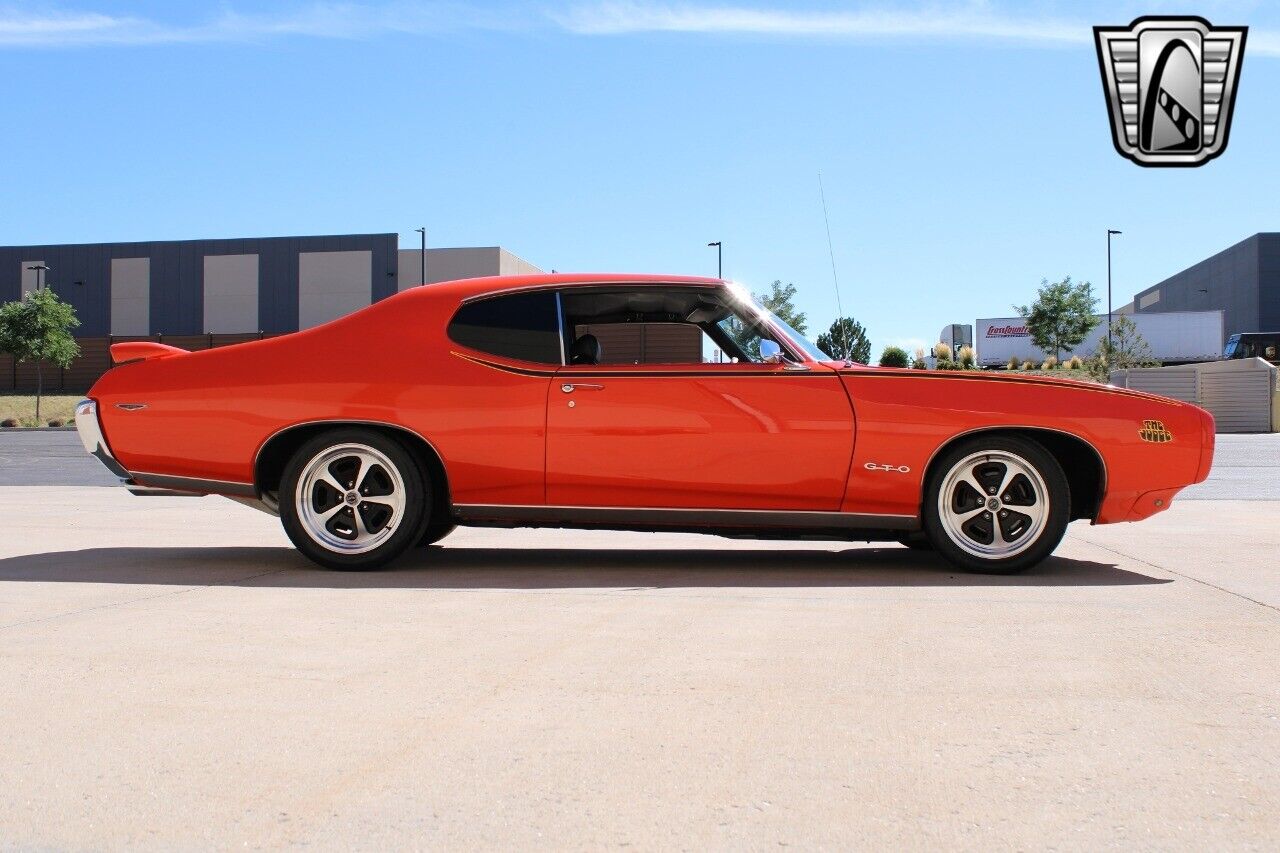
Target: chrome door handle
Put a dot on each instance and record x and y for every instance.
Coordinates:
(570, 387)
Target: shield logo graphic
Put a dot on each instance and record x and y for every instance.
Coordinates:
(1170, 85)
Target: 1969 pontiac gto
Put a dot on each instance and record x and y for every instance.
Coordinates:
(493, 402)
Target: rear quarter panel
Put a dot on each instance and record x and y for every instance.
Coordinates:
(208, 413)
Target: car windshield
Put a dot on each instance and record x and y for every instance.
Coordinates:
(749, 303)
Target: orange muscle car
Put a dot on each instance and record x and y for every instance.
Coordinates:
(627, 402)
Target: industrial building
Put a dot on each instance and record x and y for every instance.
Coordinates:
(270, 285)
(1242, 281)
(205, 293)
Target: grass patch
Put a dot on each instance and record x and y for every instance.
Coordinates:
(1057, 373)
(22, 407)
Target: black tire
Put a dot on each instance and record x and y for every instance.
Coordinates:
(323, 526)
(917, 542)
(436, 531)
(971, 517)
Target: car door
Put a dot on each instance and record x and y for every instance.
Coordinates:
(716, 435)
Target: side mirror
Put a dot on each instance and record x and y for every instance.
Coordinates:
(770, 351)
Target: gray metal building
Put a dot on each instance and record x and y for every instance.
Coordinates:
(1243, 281)
(217, 287)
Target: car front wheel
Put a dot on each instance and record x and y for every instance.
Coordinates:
(353, 499)
(996, 505)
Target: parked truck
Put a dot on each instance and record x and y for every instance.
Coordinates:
(1175, 337)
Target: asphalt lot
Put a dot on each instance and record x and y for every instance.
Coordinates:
(176, 676)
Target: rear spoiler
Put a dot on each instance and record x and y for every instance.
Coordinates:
(142, 351)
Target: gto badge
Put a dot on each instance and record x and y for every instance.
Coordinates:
(1170, 84)
(895, 469)
(1155, 432)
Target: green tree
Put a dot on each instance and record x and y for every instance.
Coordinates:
(846, 339)
(38, 328)
(894, 357)
(1061, 316)
(1127, 348)
(779, 301)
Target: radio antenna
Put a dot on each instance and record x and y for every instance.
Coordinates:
(835, 278)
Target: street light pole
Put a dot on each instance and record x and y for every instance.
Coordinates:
(1110, 233)
(423, 274)
(39, 268)
(719, 259)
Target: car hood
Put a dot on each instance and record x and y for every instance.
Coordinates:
(988, 376)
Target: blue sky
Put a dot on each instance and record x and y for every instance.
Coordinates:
(964, 146)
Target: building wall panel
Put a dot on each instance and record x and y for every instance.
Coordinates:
(1228, 281)
(332, 284)
(30, 278)
(131, 296)
(230, 293)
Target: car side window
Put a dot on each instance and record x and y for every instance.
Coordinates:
(647, 343)
(524, 326)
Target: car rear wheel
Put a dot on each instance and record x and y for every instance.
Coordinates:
(917, 542)
(435, 532)
(996, 505)
(353, 499)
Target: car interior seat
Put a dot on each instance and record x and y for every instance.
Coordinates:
(586, 350)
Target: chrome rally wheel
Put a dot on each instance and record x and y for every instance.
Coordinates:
(997, 504)
(993, 504)
(353, 499)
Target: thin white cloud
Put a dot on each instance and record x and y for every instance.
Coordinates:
(46, 26)
(938, 22)
(325, 20)
(619, 17)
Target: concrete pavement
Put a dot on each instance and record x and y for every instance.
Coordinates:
(175, 676)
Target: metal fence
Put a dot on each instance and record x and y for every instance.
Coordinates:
(1243, 395)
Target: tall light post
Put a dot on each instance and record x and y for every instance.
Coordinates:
(719, 259)
(38, 268)
(423, 274)
(1110, 233)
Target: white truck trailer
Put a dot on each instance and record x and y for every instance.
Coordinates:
(1175, 337)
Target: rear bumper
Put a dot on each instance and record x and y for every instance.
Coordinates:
(95, 444)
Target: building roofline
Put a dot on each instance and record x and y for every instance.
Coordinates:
(199, 240)
(1258, 235)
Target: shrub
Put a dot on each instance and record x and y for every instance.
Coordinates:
(1099, 368)
(894, 357)
(918, 363)
(1012, 363)
(942, 351)
(1028, 365)
(1076, 363)
(56, 422)
(967, 357)
(1050, 363)
(948, 364)
(8, 423)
